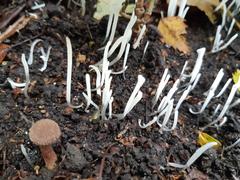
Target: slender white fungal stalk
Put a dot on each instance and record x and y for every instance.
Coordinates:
(229, 100)
(164, 80)
(27, 77)
(145, 49)
(37, 6)
(218, 43)
(172, 7)
(234, 144)
(121, 71)
(26, 71)
(171, 93)
(114, 25)
(198, 64)
(124, 68)
(30, 58)
(160, 106)
(183, 97)
(196, 81)
(135, 97)
(24, 152)
(224, 88)
(45, 58)
(140, 36)
(182, 10)
(126, 55)
(228, 43)
(211, 92)
(106, 94)
(235, 103)
(167, 115)
(115, 7)
(110, 19)
(69, 74)
(226, 106)
(105, 63)
(220, 5)
(98, 79)
(110, 108)
(231, 28)
(15, 85)
(182, 75)
(88, 85)
(224, 15)
(148, 124)
(90, 100)
(83, 5)
(217, 39)
(185, 12)
(123, 40)
(194, 157)
(216, 110)
(222, 122)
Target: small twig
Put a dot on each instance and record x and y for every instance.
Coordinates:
(17, 26)
(11, 15)
(103, 162)
(23, 117)
(4, 159)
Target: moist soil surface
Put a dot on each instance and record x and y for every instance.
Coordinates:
(91, 148)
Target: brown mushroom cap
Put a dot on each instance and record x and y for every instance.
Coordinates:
(44, 132)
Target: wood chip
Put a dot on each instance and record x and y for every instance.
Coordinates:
(17, 26)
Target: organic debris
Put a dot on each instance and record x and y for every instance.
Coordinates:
(236, 76)
(204, 138)
(3, 51)
(17, 26)
(206, 6)
(173, 30)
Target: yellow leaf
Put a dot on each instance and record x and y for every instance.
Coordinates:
(207, 6)
(204, 138)
(172, 30)
(236, 76)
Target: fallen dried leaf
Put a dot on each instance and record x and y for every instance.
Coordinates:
(127, 141)
(3, 51)
(236, 76)
(206, 6)
(196, 174)
(81, 58)
(204, 138)
(172, 30)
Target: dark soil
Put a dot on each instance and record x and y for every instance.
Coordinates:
(92, 148)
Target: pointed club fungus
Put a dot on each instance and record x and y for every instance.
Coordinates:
(44, 133)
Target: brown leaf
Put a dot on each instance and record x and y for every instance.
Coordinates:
(206, 6)
(81, 58)
(172, 30)
(127, 141)
(196, 174)
(3, 51)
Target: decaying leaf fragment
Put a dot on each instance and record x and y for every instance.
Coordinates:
(207, 6)
(173, 30)
(236, 76)
(204, 138)
(3, 51)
